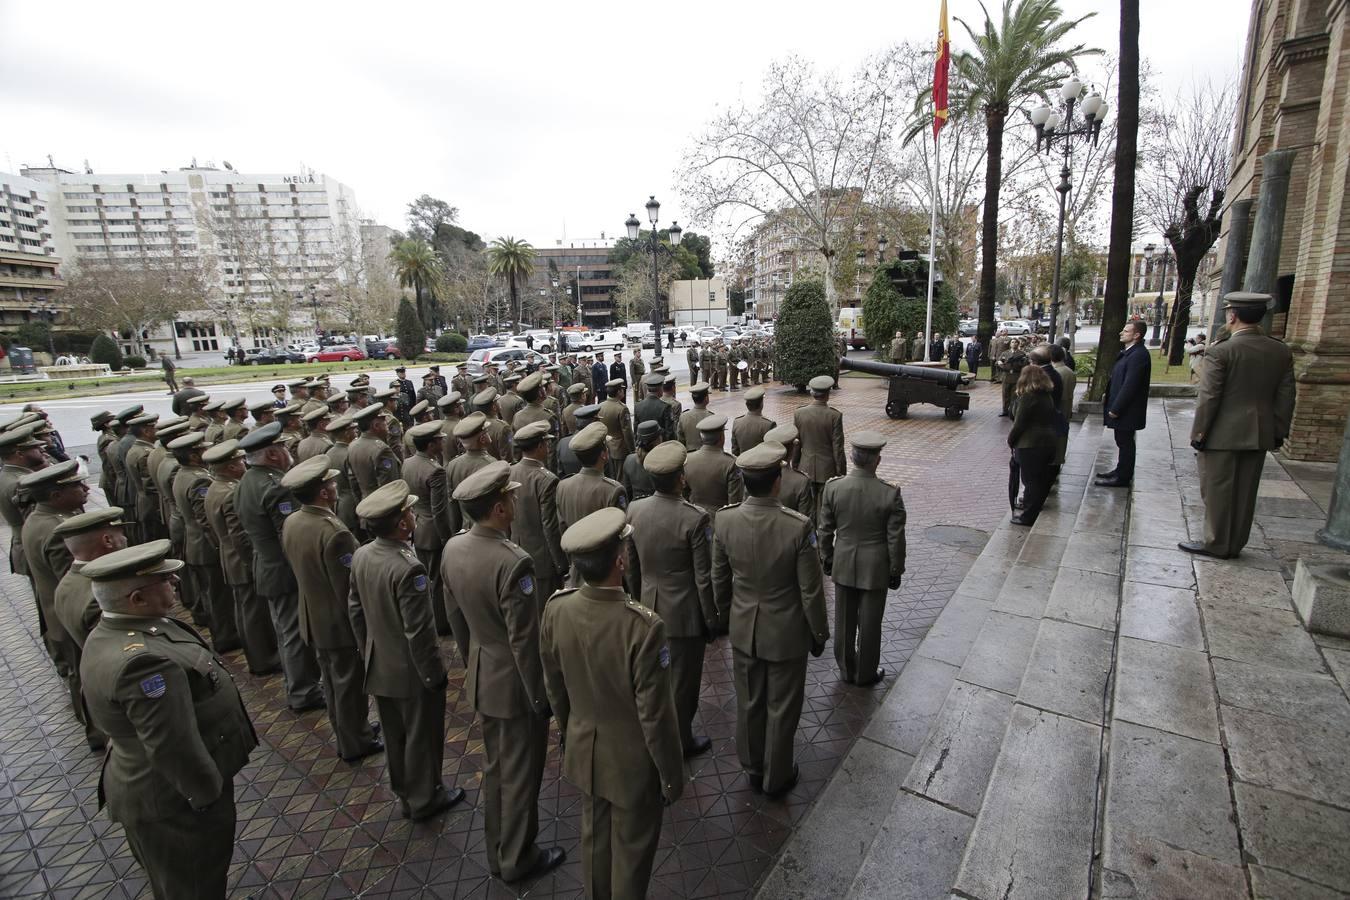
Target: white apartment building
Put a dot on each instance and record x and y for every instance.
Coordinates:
(271, 245)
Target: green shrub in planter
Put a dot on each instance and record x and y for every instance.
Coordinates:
(105, 350)
(804, 343)
(452, 342)
(134, 362)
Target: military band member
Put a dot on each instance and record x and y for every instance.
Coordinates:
(535, 524)
(768, 585)
(636, 481)
(687, 430)
(473, 436)
(796, 492)
(451, 407)
(862, 545)
(87, 536)
(256, 632)
(589, 489)
(426, 480)
(576, 395)
(262, 505)
(190, 486)
(319, 549)
(317, 440)
(710, 472)
(671, 573)
(607, 672)
(749, 429)
(489, 584)
(390, 610)
(619, 424)
(820, 435)
(370, 458)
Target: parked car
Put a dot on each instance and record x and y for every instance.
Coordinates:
(500, 355)
(730, 335)
(589, 341)
(382, 350)
(502, 337)
(968, 327)
(338, 353)
(543, 340)
(482, 342)
(704, 335)
(271, 356)
(1015, 326)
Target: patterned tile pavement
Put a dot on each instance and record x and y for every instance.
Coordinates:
(312, 826)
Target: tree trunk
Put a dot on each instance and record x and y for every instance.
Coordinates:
(1122, 198)
(1181, 310)
(515, 303)
(993, 182)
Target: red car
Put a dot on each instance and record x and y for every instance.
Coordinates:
(337, 353)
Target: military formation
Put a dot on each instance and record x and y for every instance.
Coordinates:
(579, 556)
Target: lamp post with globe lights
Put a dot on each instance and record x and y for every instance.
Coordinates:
(655, 247)
(1056, 125)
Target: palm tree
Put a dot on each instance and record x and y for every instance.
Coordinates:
(417, 266)
(513, 261)
(1019, 58)
(1075, 280)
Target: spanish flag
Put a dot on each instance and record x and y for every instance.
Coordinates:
(944, 59)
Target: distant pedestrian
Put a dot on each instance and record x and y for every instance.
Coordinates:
(670, 340)
(529, 341)
(166, 363)
(973, 351)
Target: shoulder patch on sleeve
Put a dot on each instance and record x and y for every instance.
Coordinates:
(346, 560)
(154, 686)
(526, 585)
(285, 507)
(812, 537)
(387, 463)
(201, 491)
(420, 582)
(664, 656)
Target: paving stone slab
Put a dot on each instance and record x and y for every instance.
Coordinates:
(1307, 758)
(1056, 523)
(906, 716)
(1286, 832)
(999, 655)
(829, 847)
(985, 578)
(1033, 836)
(1292, 509)
(1162, 536)
(1301, 696)
(1271, 884)
(1025, 591)
(1067, 671)
(954, 764)
(1103, 511)
(1171, 568)
(1256, 634)
(1339, 662)
(1093, 552)
(952, 635)
(1221, 581)
(1042, 550)
(915, 855)
(1167, 688)
(1086, 598)
(1153, 612)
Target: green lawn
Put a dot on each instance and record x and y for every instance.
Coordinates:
(148, 378)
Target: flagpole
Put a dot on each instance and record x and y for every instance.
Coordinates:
(932, 256)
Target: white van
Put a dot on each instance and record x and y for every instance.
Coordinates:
(850, 325)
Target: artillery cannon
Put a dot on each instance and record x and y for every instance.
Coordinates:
(916, 384)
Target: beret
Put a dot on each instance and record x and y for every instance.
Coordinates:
(104, 517)
(715, 422)
(600, 528)
(150, 558)
(764, 455)
(490, 479)
(222, 452)
(316, 468)
(385, 501)
(821, 383)
(665, 458)
(470, 425)
(590, 437)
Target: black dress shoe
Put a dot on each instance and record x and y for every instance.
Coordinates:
(702, 744)
(881, 673)
(1018, 504)
(1021, 520)
(756, 782)
(447, 799)
(308, 707)
(549, 860)
(1108, 475)
(1199, 549)
(375, 729)
(788, 785)
(375, 746)
(1111, 482)
(263, 673)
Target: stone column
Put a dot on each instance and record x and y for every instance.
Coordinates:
(1263, 262)
(1337, 531)
(1234, 259)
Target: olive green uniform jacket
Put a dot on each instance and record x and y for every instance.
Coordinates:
(372, 464)
(748, 430)
(320, 548)
(862, 530)
(820, 445)
(390, 611)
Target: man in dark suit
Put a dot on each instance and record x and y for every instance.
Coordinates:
(599, 373)
(180, 399)
(618, 370)
(1126, 402)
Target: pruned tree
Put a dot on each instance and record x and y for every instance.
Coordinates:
(1181, 189)
(810, 149)
(131, 296)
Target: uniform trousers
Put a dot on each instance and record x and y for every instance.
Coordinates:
(857, 631)
(735, 377)
(515, 749)
(186, 856)
(256, 634)
(769, 698)
(414, 741)
(1009, 386)
(298, 665)
(207, 583)
(618, 846)
(1229, 480)
(686, 677)
(344, 693)
(431, 561)
(69, 652)
(693, 374)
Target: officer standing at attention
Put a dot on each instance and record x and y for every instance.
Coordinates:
(117, 454)
(670, 571)
(343, 431)
(691, 357)
(256, 633)
(769, 588)
(607, 673)
(568, 464)
(190, 486)
(370, 458)
(820, 430)
(636, 481)
(535, 524)
(319, 548)
(862, 545)
(687, 430)
(796, 492)
(489, 584)
(711, 473)
(178, 728)
(589, 489)
(653, 409)
(102, 424)
(576, 395)
(87, 537)
(390, 611)
(141, 487)
(262, 505)
(451, 407)
(472, 434)
(22, 454)
(619, 423)
(749, 429)
(426, 479)
(317, 441)
(1243, 411)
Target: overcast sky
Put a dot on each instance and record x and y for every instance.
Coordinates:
(534, 119)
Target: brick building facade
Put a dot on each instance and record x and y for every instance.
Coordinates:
(1295, 95)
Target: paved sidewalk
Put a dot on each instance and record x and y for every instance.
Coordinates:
(1097, 713)
(312, 826)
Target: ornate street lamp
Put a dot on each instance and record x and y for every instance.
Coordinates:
(1056, 125)
(881, 249)
(655, 247)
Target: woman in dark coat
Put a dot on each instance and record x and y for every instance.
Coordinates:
(1034, 435)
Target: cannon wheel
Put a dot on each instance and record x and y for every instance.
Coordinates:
(953, 413)
(897, 410)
